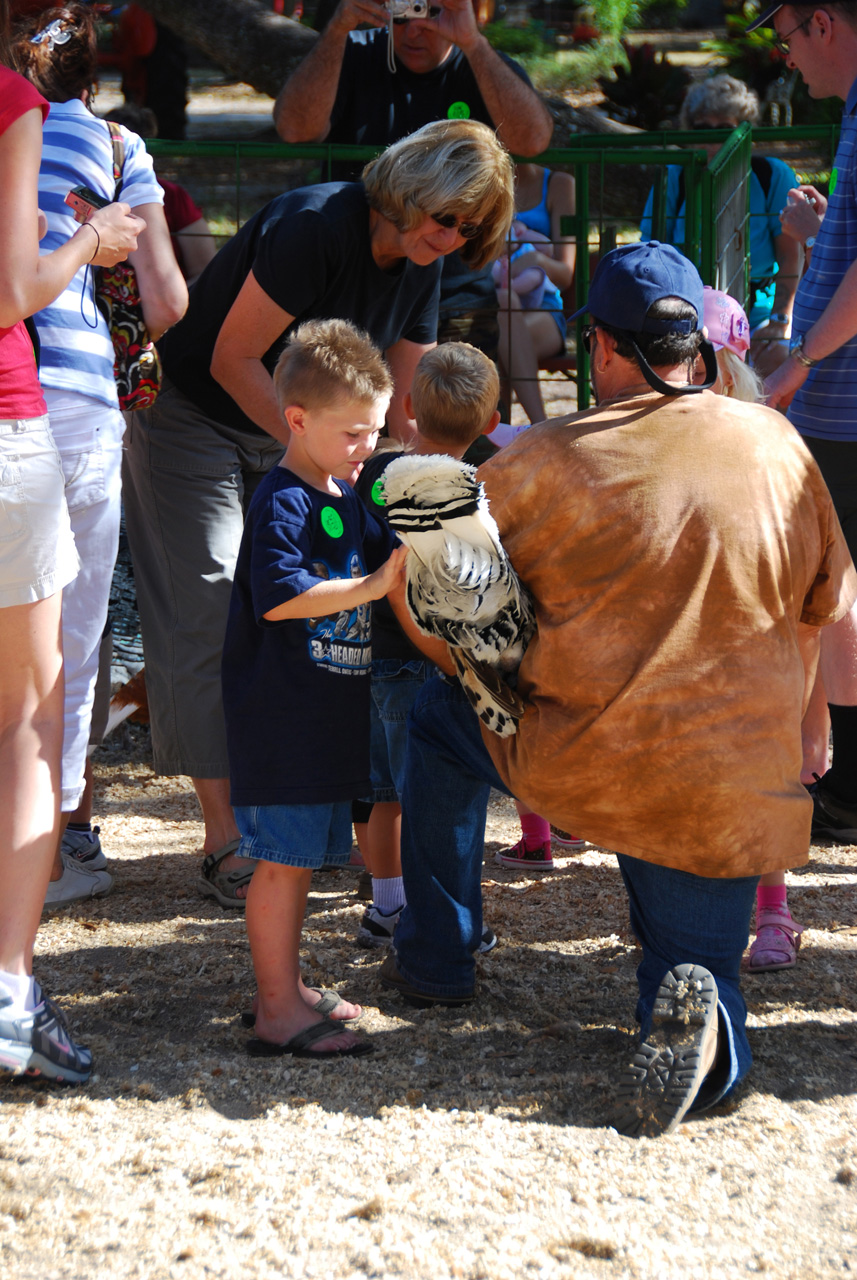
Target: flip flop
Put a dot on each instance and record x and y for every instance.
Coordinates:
(329, 1001)
(298, 1046)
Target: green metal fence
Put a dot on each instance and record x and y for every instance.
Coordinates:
(613, 174)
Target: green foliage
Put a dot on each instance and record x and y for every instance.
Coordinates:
(517, 41)
(612, 17)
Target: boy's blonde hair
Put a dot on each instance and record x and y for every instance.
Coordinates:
(326, 361)
(738, 379)
(454, 392)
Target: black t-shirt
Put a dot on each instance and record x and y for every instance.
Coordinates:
(388, 638)
(309, 250)
(374, 107)
(296, 692)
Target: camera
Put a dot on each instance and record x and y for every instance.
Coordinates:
(84, 202)
(402, 10)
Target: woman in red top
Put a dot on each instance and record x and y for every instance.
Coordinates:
(37, 558)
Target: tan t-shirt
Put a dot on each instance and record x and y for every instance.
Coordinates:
(671, 547)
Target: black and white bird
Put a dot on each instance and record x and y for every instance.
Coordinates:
(461, 586)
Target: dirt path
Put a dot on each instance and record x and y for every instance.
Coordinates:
(470, 1146)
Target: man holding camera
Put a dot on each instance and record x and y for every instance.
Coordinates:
(349, 90)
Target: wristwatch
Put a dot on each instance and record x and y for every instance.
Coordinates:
(809, 242)
(796, 350)
(780, 318)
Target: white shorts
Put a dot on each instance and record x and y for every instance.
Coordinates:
(37, 552)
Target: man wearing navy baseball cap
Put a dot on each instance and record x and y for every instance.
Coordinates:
(680, 548)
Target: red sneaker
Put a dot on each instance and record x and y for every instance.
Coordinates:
(519, 855)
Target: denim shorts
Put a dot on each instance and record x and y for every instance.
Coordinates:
(296, 835)
(37, 552)
(395, 685)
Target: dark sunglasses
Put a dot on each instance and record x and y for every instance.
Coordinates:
(434, 12)
(587, 333)
(467, 229)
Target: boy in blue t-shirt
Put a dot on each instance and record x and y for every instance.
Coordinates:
(296, 668)
(453, 399)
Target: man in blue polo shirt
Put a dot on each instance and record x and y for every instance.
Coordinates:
(818, 383)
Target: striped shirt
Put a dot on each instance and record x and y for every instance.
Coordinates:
(77, 350)
(826, 405)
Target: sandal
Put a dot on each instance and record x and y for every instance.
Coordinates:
(329, 1001)
(776, 943)
(224, 885)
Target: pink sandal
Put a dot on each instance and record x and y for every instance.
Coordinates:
(776, 943)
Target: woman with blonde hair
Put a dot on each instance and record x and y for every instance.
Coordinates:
(37, 560)
(369, 252)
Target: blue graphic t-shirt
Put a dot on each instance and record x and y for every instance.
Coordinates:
(296, 693)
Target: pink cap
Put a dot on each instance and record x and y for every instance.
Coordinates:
(726, 322)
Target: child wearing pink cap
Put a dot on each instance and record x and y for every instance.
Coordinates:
(729, 333)
(777, 937)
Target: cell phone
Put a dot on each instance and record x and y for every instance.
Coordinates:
(84, 202)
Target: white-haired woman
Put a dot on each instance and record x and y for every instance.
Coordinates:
(364, 251)
(722, 102)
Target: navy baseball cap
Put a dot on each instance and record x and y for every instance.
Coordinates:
(763, 20)
(628, 280)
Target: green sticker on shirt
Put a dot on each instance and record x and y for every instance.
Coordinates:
(331, 522)
(834, 176)
(378, 492)
(458, 111)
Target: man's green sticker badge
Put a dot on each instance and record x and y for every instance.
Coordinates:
(331, 522)
(378, 492)
(458, 111)
(833, 180)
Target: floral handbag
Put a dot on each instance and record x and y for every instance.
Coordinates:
(136, 363)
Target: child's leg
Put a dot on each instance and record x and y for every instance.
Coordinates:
(276, 903)
(777, 939)
(385, 836)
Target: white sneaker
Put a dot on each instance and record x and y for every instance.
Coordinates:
(76, 884)
(85, 847)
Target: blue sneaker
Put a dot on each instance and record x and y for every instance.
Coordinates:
(85, 848)
(38, 1043)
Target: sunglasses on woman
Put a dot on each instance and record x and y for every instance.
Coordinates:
(446, 220)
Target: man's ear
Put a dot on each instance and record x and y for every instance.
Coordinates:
(294, 416)
(408, 405)
(607, 343)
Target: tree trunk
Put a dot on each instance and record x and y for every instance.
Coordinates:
(246, 39)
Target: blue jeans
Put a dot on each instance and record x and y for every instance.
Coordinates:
(395, 685)
(678, 917)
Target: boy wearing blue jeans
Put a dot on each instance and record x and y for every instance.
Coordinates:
(296, 664)
(453, 399)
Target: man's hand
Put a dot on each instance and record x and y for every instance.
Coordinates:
(801, 217)
(349, 14)
(783, 383)
(457, 22)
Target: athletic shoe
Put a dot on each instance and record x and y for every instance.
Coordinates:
(376, 929)
(76, 884)
(38, 1044)
(831, 817)
(566, 841)
(488, 943)
(665, 1075)
(540, 859)
(389, 976)
(85, 846)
